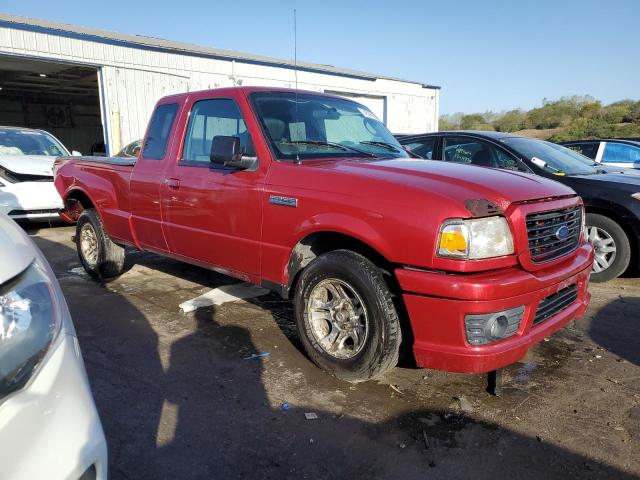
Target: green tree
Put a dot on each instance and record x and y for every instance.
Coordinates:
(475, 121)
(511, 121)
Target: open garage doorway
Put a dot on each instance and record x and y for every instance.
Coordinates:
(377, 104)
(60, 98)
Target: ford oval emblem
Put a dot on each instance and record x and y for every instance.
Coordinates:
(562, 233)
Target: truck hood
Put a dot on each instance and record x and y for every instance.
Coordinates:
(14, 240)
(28, 164)
(501, 187)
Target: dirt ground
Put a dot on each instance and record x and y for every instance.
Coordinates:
(179, 398)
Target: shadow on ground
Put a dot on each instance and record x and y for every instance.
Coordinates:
(188, 404)
(615, 328)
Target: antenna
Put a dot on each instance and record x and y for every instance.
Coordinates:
(295, 46)
(295, 71)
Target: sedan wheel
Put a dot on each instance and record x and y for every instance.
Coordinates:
(612, 249)
(604, 248)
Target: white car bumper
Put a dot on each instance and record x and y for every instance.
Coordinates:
(50, 429)
(30, 200)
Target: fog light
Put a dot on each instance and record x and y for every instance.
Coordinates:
(496, 327)
(490, 327)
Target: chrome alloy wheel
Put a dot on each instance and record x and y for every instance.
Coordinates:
(89, 244)
(338, 318)
(604, 248)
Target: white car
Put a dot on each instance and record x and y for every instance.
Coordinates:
(49, 426)
(26, 173)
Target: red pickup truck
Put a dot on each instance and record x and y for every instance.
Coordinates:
(310, 195)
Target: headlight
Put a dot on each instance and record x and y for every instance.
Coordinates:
(29, 323)
(475, 239)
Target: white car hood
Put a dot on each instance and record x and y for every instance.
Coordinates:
(28, 164)
(16, 247)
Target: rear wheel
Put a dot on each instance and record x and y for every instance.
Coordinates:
(346, 317)
(611, 247)
(99, 255)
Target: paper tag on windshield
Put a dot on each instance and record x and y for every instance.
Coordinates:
(367, 113)
(539, 162)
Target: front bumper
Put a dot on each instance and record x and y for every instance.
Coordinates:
(50, 429)
(438, 302)
(30, 201)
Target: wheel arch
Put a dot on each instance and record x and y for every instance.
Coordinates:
(76, 201)
(322, 241)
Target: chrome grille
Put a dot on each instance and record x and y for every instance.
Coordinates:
(555, 303)
(553, 234)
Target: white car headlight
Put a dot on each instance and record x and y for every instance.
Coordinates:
(475, 239)
(30, 320)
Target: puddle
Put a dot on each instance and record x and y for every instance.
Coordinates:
(76, 272)
(525, 373)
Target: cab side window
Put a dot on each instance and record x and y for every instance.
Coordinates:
(209, 119)
(620, 153)
(423, 148)
(155, 144)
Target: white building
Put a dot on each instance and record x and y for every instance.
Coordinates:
(86, 85)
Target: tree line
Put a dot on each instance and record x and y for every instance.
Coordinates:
(568, 118)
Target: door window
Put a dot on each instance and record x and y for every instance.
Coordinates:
(477, 152)
(423, 148)
(155, 143)
(587, 149)
(209, 119)
(620, 153)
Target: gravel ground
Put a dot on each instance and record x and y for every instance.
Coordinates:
(178, 397)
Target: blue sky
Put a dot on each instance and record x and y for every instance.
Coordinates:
(486, 55)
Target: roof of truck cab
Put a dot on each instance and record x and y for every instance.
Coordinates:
(252, 90)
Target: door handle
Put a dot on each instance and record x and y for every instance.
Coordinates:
(173, 183)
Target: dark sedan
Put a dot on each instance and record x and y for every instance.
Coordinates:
(612, 152)
(612, 199)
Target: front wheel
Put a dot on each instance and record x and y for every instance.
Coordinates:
(611, 247)
(346, 316)
(99, 255)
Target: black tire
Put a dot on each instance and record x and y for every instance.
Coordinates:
(622, 257)
(380, 349)
(108, 261)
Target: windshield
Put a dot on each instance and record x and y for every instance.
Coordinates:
(551, 157)
(318, 126)
(29, 142)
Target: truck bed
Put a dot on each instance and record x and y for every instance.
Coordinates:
(122, 161)
(106, 181)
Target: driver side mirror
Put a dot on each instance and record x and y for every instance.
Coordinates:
(76, 153)
(226, 151)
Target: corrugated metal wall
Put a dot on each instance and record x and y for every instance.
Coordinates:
(133, 79)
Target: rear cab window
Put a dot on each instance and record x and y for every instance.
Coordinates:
(155, 143)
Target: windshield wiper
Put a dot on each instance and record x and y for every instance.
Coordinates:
(386, 145)
(329, 144)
